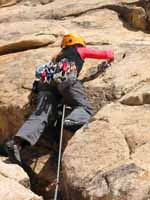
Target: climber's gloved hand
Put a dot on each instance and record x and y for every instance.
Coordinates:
(103, 66)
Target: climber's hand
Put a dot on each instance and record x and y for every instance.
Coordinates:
(103, 66)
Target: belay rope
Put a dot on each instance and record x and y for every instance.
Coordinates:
(64, 71)
(101, 69)
(60, 154)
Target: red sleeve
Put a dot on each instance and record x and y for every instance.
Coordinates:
(97, 54)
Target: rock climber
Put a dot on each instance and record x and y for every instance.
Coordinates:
(71, 91)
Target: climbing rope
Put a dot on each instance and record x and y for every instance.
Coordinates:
(60, 154)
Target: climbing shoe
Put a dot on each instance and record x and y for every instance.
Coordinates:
(13, 152)
(72, 125)
(3, 151)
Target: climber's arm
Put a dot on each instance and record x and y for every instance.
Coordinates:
(96, 54)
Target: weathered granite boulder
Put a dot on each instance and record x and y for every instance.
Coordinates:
(132, 121)
(91, 150)
(14, 182)
(11, 190)
(108, 160)
(125, 172)
(26, 43)
(14, 172)
(126, 182)
(138, 96)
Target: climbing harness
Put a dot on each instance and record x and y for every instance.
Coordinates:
(60, 154)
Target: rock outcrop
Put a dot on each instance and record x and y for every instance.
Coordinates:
(127, 181)
(109, 159)
(4, 3)
(10, 190)
(91, 150)
(15, 183)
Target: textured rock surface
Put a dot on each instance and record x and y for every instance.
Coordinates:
(15, 172)
(138, 96)
(133, 122)
(110, 159)
(8, 2)
(92, 150)
(11, 190)
(14, 182)
(126, 182)
(141, 156)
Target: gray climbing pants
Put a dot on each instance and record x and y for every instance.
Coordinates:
(72, 95)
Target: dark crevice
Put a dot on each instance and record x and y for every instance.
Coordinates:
(35, 2)
(8, 4)
(128, 144)
(20, 49)
(125, 12)
(24, 45)
(126, 15)
(82, 12)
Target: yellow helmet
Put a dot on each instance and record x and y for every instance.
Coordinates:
(72, 39)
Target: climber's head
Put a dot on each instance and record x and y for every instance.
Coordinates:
(71, 39)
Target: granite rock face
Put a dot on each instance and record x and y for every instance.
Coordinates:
(109, 159)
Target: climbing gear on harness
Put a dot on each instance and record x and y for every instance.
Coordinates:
(60, 154)
(68, 71)
(45, 72)
(72, 39)
(57, 72)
